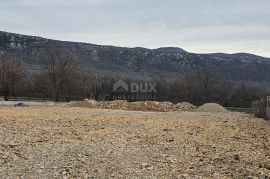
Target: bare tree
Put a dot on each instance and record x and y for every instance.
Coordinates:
(58, 67)
(200, 86)
(12, 71)
(207, 78)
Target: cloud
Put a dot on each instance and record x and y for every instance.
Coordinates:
(192, 24)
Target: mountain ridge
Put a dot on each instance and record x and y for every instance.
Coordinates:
(141, 63)
(166, 48)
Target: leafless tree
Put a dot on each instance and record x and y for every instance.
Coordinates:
(207, 78)
(201, 86)
(58, 67)
(12, 71)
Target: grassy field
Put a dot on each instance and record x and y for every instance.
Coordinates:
(61, 142)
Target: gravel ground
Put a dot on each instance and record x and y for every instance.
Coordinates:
(59, 142)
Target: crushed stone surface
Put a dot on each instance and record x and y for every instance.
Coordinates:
(59, 142)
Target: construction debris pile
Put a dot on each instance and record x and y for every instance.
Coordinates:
(135, 106)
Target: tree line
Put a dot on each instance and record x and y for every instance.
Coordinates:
(61, 77)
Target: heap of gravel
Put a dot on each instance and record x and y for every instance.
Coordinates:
(212, 107)
(134, 106)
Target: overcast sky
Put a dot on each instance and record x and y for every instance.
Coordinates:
(200, 26)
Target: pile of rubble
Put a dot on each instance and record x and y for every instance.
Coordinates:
(135, 106)
(184, 106)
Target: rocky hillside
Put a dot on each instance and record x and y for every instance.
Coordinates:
(140, 62)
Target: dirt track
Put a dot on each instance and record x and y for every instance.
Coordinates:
(46, 142)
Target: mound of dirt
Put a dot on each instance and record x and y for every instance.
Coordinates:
(184, 106)
(117, 104)
(134, 106)
(151, 106)
(212, 107)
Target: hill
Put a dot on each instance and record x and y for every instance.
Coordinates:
(141, 63)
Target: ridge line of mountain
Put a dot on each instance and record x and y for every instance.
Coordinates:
(161, 49)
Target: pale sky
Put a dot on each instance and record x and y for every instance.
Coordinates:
(199, 26)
